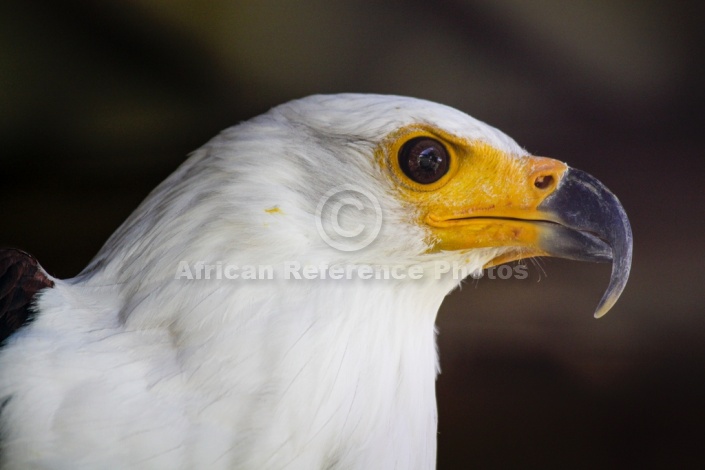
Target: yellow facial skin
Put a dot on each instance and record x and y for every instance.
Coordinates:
(486, 199)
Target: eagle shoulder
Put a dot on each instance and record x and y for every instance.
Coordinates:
(21, 277)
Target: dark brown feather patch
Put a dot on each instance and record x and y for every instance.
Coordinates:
(21, 278)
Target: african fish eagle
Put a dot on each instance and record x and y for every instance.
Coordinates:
(272, 303)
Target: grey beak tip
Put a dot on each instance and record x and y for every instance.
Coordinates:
(595, 227)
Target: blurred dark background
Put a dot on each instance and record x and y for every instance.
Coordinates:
(101, 100)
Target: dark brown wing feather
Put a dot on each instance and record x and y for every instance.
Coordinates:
(21, 278)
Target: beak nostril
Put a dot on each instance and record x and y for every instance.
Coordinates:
(544, 181)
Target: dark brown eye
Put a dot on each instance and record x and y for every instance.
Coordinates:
(424, 160)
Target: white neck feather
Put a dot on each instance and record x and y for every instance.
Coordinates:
(317, 376)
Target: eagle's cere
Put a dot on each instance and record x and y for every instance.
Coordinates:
(143, 361)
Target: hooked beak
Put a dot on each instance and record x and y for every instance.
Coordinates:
(541, 208)
(587, 223)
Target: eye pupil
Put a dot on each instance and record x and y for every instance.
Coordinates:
(429, 160)
(424, 160)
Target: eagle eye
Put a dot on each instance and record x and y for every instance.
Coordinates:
(424, 160)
